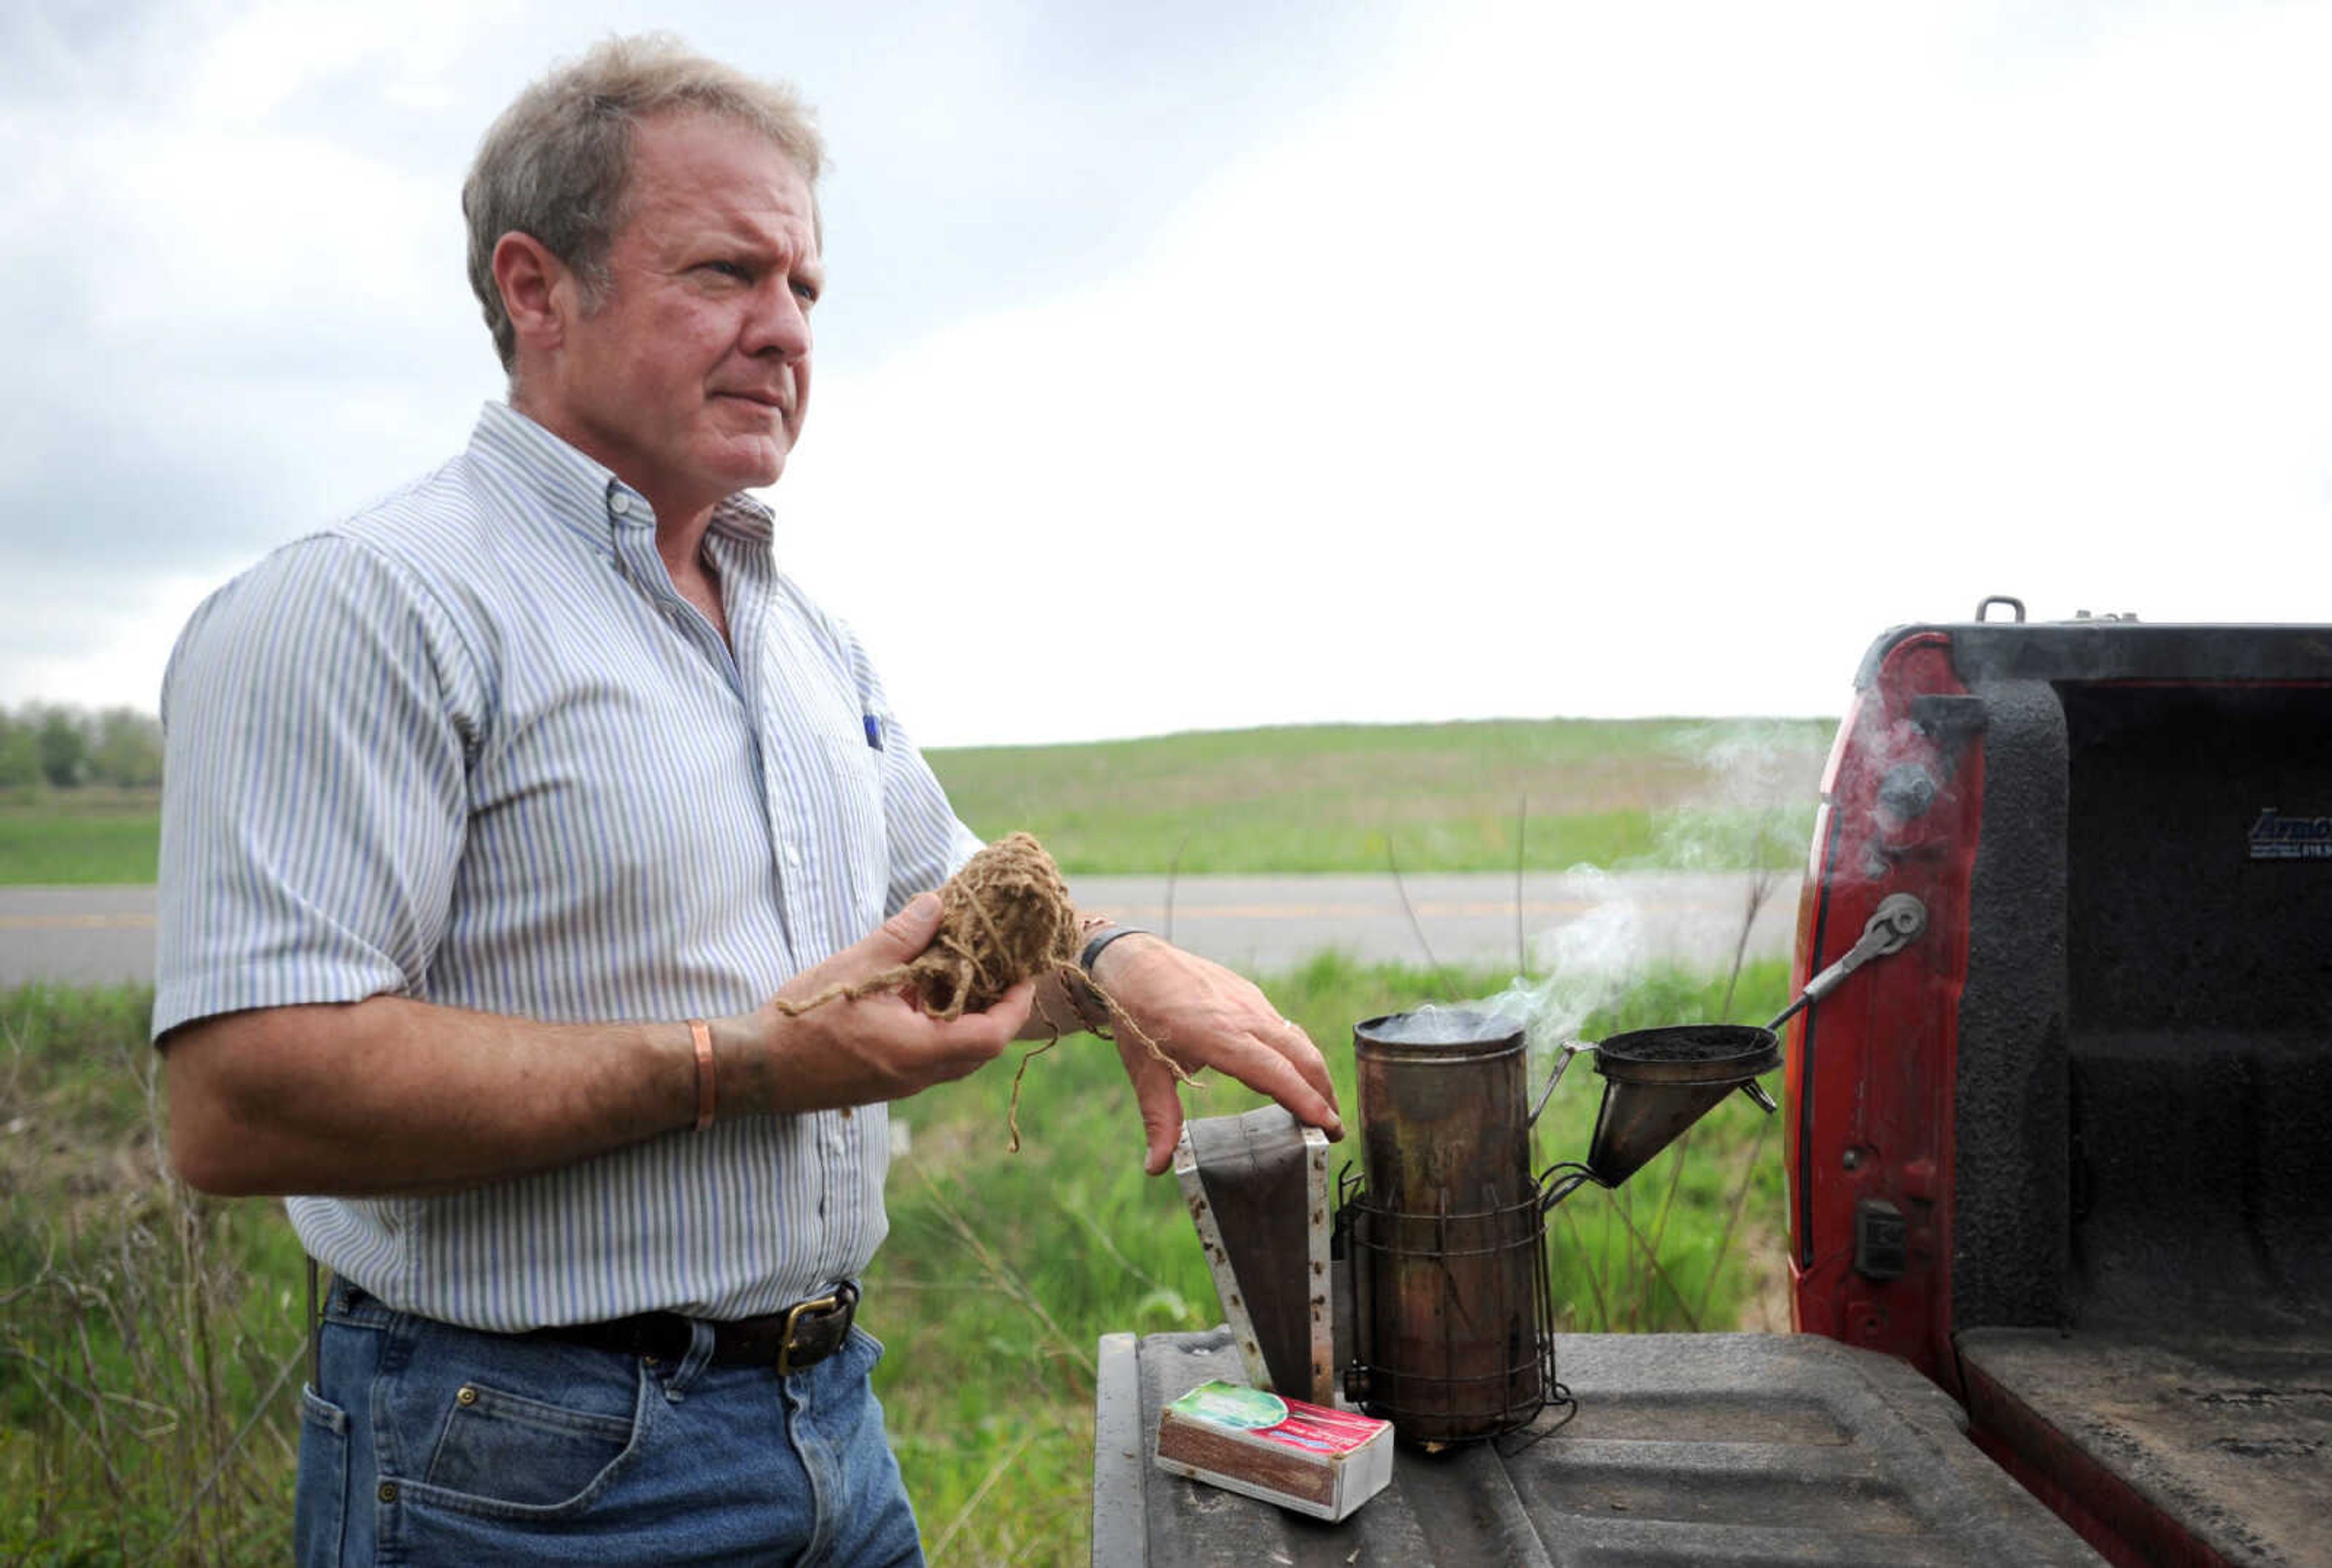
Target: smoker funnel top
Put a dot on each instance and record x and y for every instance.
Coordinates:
(1659, 1082)
(1690, 1054)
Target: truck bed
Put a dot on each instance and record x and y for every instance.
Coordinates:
(1687, 1448)
(2228, 1435)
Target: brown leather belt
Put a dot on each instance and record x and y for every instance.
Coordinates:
(802, 1335)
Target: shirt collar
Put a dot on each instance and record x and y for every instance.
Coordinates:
(584, 494)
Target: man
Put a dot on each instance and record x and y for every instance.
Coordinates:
(496, 819)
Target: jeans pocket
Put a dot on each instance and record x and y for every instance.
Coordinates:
(321, 1496)
(504, 1452)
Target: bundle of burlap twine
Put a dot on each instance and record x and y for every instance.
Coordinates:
(1004, 918)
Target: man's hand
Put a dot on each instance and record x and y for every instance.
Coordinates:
(857, 1052)
(1202, 1014)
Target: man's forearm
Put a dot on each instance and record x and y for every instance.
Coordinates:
(394, 1096)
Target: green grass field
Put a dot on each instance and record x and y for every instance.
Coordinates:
(87, 836)
(1465, 797)
(1430, 797)
(150, 1338)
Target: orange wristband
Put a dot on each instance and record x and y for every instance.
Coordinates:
(707, 1083)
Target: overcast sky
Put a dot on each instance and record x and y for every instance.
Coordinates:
(1255, 361)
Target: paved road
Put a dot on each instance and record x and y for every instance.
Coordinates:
(84, 935)
(93, 935)
(1263, 924)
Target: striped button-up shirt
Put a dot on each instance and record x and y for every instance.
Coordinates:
(472, 747)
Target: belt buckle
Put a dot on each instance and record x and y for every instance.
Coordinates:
(822, 1303)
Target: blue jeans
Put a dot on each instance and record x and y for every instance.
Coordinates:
(431, 1445)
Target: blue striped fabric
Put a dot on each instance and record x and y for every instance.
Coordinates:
(472, 747)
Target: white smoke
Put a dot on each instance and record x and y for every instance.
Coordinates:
(1755, 803)
(1745, 826)
(1751, 815)
(1585, 963)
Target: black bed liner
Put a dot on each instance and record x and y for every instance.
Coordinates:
(2230, 1435)
(2142, 1254)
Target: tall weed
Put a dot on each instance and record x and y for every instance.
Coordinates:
(148, 1336)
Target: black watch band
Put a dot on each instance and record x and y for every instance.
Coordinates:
(1100, 939)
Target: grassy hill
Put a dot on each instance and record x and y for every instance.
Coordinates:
(1435, 796)
(1310, 797)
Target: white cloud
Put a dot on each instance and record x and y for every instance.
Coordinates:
(92, 640)
(1622, 360)
(268, 55)
(1577, 359)
(309, 239)
(232, 324)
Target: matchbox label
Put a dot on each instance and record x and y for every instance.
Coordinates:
(1265, 1415)
(2275, 836)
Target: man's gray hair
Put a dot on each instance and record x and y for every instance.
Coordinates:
(557, 164)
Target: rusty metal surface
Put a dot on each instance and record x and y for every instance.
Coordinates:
(2227, 1437)
(1445, 1237)
(1686, 1450)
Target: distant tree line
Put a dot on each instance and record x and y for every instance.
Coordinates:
(65, 748)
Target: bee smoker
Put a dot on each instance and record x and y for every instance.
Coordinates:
(1443, 1238)
(1426, 1282)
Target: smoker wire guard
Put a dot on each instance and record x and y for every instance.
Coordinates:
(1426, 1408)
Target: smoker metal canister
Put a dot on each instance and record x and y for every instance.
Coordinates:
(1447, 1236)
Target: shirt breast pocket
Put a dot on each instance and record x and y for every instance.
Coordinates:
(861, 843)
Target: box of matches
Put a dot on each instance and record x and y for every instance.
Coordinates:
(1308, 1457)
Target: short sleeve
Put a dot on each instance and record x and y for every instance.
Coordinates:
(314, 787)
